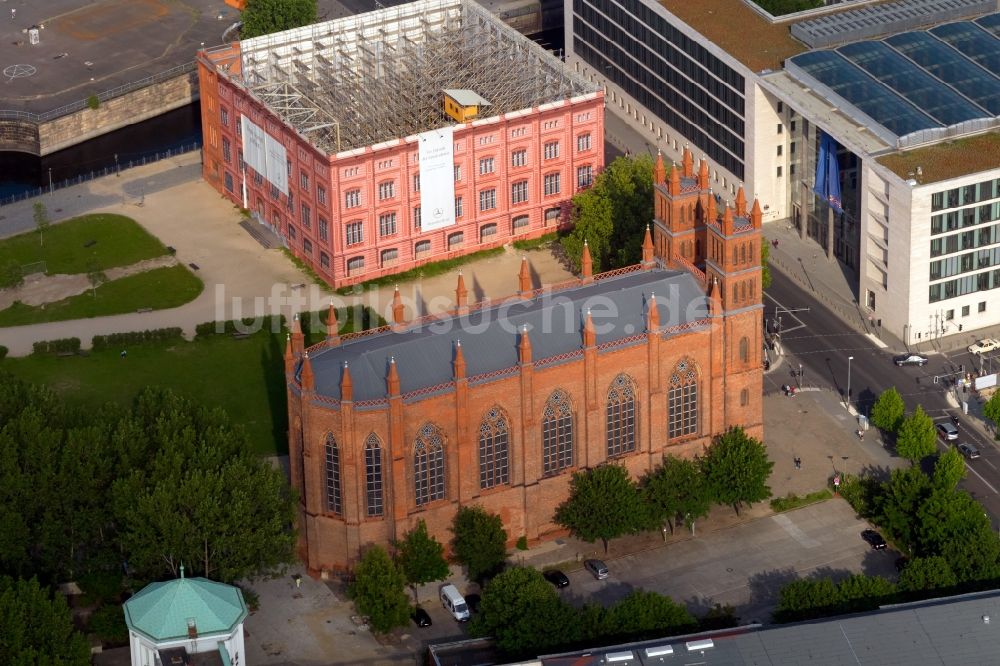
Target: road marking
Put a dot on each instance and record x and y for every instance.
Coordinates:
(988, 484)
(790, 314)
(795, 532)
(989, 463)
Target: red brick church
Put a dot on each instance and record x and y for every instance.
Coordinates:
(496, 403)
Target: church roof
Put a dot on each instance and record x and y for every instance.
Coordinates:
(161, 611)
(489, 336)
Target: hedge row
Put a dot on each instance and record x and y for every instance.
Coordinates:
(116, 340)
(273, 323)
(61, 346)
(3, 352)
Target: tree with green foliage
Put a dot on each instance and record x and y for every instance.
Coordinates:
(949, 469)
(421, 558)
(42, 221)
(524, 614)
(948, 516)
(643, 614)
(736, 469)
(991, 409)
(379, 591)
(262, 17)
(676, 490)
(765, 266)
(897, 502)
(603, 504)
(916, 438)
(976, 557)
(480, 541)
(926, 573)
(612, 215)
(783, 7)
(805, 599)
(36, 627)
(860, 592)
(189, 497)
(889, 410)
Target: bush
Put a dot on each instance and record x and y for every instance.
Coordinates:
(246, 325)
(3, 352)
(60, 346)
(522, 542)
(793, 501)
(108, 624)
(121, 340)
(93, 102)
(859, 492)
(100, 588)
(536, 243)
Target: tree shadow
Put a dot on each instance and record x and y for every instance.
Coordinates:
(764, 586)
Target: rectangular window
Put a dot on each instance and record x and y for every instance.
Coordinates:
(779, 172)
(583, 143)
(520, 222)
(584, 176)
(455, 240)
(458, 172)
(949, 315)
(258, 179)
(780, 148)
(229, 181)
(458, 206)
(306, 217)
(965, 310)
(304, 180)
(224, 116)
(416, 182)
(982, 306)
(386, 190)
(389, 257)
(551, 184)
(307, 246)
(487, 232)
(519, 192)
(780, 129)
(274, 191)
(416, 217)
(551, 150)
(355, 233)
(321, 194)
(352, 198)
(324, 230)
(485, 166)
(227, 151)
(519, 158)
(324, 261)
(291, 232)
(386, 224)
(355, 265)
(422, 246)
(488, 199)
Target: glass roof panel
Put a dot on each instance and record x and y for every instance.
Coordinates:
(990, 23)
(952, 67)
(912, 83)
(978, 45)
(864, 92)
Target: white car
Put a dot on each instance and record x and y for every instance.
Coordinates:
(983, 346)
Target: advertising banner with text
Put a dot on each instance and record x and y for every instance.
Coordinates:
(437, 179)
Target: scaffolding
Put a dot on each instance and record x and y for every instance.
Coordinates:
(376, 77)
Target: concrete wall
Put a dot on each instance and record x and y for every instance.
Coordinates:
(51, 136)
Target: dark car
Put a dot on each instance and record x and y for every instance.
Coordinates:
(421, 618)
(874, 539)
(909, 359)
(556, 577)
(472, 600)
(597, 568)
(968, 450)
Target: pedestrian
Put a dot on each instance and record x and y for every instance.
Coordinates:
(124, 353)
(798, 462)
(13, 13)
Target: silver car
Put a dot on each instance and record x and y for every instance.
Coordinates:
(947, 432)
(597, 568)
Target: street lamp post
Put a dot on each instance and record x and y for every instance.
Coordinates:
(800, 375)
(849, 359)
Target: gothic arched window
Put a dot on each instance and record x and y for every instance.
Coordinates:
(557, 433)
(494, 440)
(621, 416)
(373, 476)
(428, 465)
(682, 401)
(334, 503)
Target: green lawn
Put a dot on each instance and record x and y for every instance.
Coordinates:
(120, 241)
(159, 288)
(244, 377)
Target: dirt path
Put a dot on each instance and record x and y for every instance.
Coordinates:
(40, 289)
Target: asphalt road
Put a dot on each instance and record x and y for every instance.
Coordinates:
(820, 343)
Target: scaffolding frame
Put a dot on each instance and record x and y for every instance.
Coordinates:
(376, 77)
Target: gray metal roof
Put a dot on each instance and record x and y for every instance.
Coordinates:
(954, 630)
(466, 97)
(489, 336)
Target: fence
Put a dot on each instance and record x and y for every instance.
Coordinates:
(100, 173)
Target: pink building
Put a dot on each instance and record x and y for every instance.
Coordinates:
(316, 118)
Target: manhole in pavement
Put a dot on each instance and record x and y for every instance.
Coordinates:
(18, 71)
(729, 569)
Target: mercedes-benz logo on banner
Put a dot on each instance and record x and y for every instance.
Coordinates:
(438, 212)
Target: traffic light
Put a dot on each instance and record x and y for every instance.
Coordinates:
(961, 367)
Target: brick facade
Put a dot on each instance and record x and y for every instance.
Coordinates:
(720, 353)
(325, 182)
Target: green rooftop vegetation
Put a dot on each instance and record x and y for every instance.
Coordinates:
(950, 159)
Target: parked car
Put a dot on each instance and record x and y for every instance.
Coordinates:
(874, 539)
(556, 577)
(968, 450)
(947, 431)
(597, 568)
(421, 618)
(983, 346)
(454, 603)
(910, 359)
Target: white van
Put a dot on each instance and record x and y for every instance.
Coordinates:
(454, 602)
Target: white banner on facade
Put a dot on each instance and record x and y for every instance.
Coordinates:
(437, 179)
(264, 154)
(277, 164)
